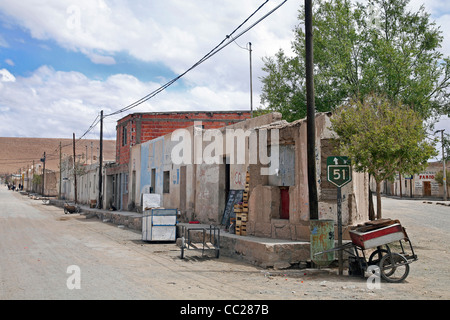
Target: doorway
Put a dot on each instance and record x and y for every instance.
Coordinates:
(284, 196)
(226, 161)
(427, 188)
(133, 190)
(183, 189)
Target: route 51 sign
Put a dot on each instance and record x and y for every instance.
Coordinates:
(339, 171)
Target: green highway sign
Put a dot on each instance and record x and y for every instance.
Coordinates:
(339, 170)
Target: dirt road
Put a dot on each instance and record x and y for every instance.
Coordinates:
(45, 254)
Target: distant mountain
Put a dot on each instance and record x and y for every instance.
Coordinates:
(19, 153)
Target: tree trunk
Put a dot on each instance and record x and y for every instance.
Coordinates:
(378, 199)
(371, 209)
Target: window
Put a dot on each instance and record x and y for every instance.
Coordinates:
(166, 182)
(124, 136)
(125, 183)
(153, 181)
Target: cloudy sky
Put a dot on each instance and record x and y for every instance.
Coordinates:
(62, 61)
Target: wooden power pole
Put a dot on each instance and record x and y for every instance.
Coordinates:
(60, 170)
(75, 170)
(100, 178)
(311, 113)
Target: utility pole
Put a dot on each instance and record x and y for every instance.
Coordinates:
(100, 178)
(444, 172)
(75, 170)
(251, 79)
(32, 179)
(311, 114)
(43, 176)
(60, 170)
(445, 169)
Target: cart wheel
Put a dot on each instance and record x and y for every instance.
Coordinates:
(375, 259)
(394, 267)
(182, 248)
(376, 256)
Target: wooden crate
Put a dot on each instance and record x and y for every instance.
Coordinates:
(242, 209)
(241, 229)
(241, 218)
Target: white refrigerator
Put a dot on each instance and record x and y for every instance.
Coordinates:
(159, 225)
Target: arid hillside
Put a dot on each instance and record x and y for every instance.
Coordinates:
(19, 153)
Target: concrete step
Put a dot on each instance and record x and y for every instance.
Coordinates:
(263, 252)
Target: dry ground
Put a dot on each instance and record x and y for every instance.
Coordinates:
(38, 243)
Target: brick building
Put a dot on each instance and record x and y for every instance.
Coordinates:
(138, 128)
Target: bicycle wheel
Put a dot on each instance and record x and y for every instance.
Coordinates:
(376, 256)
(394, 267)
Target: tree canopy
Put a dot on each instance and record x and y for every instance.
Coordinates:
(378, 46)
(383, 138)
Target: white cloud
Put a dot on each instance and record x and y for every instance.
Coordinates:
(174, 32)
(73, 101)
(101, 59)
(6, 76)
(444, 22)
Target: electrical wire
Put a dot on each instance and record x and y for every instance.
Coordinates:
(223, 44)
(210, 54)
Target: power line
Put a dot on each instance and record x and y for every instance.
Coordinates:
(213, 52)
(223, 44)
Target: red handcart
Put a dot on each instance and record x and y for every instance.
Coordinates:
(381, 237)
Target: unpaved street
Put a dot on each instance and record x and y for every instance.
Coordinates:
(39, 245)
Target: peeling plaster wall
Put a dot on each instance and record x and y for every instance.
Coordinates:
(264, 206)
(211, 179)
(198, 190)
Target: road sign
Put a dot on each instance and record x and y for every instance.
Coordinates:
(339, 171)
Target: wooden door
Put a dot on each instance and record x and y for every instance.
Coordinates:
(284, 212)
(427, 188)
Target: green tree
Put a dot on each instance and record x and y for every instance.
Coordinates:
(37, 179)
(382, 138)
(359, 49)
(439, 178)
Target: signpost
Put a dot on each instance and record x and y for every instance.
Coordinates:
(339, 173)
(410, 177)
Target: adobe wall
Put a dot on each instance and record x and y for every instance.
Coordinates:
(143, 127)
(265, 200)
(210, 190)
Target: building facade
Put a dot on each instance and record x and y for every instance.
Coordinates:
(421, 185)
(138, 128)
(278, 202)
